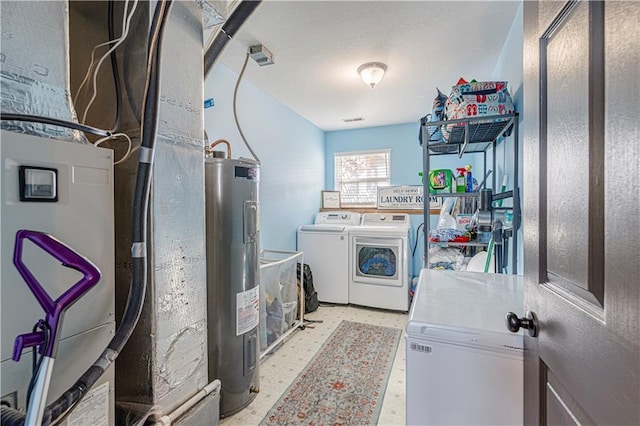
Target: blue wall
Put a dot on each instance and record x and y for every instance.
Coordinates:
(290, 148)
(402, 139)
(509, 67)
(406, 161)
(406, 158)
(297, 157)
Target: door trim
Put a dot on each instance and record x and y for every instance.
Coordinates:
(595, 274)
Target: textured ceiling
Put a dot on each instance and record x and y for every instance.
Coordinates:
(318, 45)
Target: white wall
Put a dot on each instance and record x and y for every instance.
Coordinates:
(290, 148)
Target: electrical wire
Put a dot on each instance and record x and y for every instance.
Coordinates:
(119, 41)
(113, 136)
(93, 51)
(235, 110)
(54, 122)
(415, 246)
(114, 69)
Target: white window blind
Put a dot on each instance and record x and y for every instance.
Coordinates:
(358, 175)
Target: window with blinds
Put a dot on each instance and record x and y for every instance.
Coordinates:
(358, 175)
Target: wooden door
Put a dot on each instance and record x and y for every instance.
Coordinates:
(581, 211)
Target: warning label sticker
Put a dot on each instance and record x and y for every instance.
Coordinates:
(247, 310)
(93, 409)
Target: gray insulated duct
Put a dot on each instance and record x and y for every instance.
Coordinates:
(36, 83)
(165, 361)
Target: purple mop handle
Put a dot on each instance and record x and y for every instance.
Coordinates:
(54, 310)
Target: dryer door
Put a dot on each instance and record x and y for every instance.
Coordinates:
(378, 260)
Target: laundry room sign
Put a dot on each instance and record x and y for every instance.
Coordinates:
(406, 197)
(400, 197)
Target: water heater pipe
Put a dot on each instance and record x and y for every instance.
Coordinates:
(218, 142)
(168, 419)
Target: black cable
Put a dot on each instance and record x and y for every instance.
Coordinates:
(131, 87)
(137, 292)
(114, 68)
(34, 360)
(37, 363)
(241, 13)
(54, 122)
(415, 246)
(153, 32)
(142, 189)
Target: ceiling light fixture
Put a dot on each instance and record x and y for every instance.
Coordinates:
(372, 73)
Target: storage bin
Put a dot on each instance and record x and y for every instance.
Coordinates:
(477, 99)
(280, 301)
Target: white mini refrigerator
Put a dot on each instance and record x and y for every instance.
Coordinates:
(463, 366)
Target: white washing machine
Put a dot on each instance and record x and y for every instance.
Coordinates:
(326, 250)
(380, 273)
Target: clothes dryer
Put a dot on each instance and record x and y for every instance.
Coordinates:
(326, 250)
(380, 272)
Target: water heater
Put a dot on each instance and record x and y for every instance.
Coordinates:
(233, 275)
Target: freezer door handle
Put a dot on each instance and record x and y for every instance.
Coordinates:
(529, 322)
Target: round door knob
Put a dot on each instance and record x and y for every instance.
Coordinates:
(529, 322)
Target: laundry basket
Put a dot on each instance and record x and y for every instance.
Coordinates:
(281, 306)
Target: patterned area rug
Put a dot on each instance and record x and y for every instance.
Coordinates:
(344, 383)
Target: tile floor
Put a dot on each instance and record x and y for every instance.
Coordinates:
(278, 370)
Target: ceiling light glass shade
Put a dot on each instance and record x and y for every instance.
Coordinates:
(372, 73)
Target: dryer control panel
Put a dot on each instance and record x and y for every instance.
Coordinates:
(383, 219)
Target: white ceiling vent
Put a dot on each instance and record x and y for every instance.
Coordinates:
(351, 120)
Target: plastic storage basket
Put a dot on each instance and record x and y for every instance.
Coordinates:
(281, 306)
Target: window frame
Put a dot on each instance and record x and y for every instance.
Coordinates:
(337, 184)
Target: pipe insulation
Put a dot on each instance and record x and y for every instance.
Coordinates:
(227, 32)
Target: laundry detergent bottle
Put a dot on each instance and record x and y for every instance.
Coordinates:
(469, 178)
(461, 180)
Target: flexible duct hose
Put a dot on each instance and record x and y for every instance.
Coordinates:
(67, 401)
(228, 30)
(11, 417)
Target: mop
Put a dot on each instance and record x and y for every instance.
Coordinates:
(51, 325)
